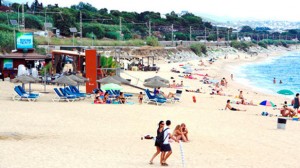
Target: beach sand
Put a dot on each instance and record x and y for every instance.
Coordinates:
(81, 134)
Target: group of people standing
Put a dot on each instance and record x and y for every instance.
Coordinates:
(163, 138)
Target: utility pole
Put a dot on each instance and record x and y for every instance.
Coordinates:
(149, 28)
(205, 34)
(228, 35)
(172, 35)
(120, 28)
(23, 15)
(81, 28)
(190, 33)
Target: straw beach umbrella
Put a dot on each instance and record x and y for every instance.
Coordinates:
(83, 78)
(25, 79)
(76, 79)
(108, 79)
(157, 78)
(120, 79)
(65, 80)
(155, 84)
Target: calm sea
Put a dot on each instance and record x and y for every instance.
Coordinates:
(260, 75)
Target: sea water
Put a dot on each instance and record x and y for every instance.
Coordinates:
(260, 75)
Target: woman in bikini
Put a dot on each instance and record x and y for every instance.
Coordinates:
(179, 134)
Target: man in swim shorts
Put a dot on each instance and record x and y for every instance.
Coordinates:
(228, 106)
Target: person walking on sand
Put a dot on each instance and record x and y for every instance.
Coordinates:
(228, 106)
(296, 102)
(140, 97)
(231, 76)
(165, 148)
(160, 129)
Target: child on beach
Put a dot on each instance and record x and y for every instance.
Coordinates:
(140, 97)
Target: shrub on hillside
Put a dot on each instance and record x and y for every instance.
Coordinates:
(33, 22)
(6, 41)
(241, 45)
(198, 48)
(5, 27)
(152, 41)
(112, 35)
(97, 29)
(262, 44)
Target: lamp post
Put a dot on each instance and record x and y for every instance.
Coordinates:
(73, 30)
(14, 23)
(7, 16)
(48, 25)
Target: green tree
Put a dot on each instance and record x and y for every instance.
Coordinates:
(65, 21)
(246, 29)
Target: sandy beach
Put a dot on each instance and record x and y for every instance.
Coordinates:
(81, 134)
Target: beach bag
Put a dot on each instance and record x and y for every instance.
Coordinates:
(160, 137)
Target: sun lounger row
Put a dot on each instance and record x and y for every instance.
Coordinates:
(23, 95)
(69, 94)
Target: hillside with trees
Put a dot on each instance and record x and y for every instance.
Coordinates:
(102, 23)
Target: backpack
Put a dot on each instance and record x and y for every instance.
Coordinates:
(160, 137)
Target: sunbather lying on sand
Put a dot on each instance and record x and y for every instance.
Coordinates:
(196, 91)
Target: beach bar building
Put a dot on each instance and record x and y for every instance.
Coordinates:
(60, 57)
(9, 62)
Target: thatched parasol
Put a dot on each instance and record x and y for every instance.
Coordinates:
(158, 78)
(155, 84)
(120, 79)
(83, 78)
(109, 79)
(76, 79)
(25, 79)
(65, 80)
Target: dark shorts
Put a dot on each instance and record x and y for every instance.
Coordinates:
(165, 148)
(157, 144)
(233, 109)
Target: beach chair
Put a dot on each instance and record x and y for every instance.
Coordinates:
(22, 96)
(127, 95)
(61, 97)
(67, 93)
(178, 95)
(75, 92)
(24, 92)
(152, 99)
(74, 89)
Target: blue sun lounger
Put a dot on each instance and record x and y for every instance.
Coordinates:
(22, 96)
(24, 92)
(70, 92)
(67, 93)
(152, 99)
(74, 89)
(61, 97)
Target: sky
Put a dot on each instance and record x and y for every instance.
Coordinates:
(238, 9)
